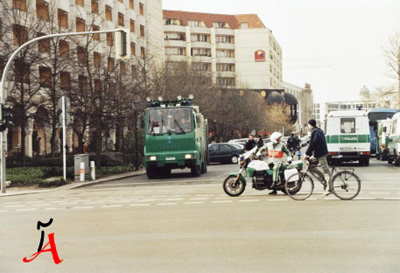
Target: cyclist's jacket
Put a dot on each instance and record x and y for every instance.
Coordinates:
(275, 152)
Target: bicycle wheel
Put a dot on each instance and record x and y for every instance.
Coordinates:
(346, 185)
(299, 186)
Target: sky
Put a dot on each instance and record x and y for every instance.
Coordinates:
(337, 46)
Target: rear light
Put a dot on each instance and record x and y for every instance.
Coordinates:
(365, 153)
(333, 153)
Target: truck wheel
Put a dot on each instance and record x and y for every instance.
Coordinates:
(390, 159)
(196, 170)
(204, 167)
(151, 173)
(366, 162)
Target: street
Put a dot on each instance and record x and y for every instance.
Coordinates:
(185, 224)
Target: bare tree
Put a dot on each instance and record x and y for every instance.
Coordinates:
(392, 52)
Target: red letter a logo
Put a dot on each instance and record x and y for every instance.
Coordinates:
(52, 249)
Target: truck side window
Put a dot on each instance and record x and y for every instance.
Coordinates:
(347, 125)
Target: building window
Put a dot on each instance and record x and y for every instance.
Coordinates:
(131, 4)
(64, 49)
(44, 45)
(45, 76)
(200, 38)
(110, 39)
(205, 52)
(201, 66)
(95, 6)
(174, 36)
(120, 19)
(80, 24)
(80, 2)
(175, 22)
(220, 25)
(96, 36)
(62, 18)
(42, 10)
(134, 71)
(141, 31)
(97, 85)
(244, 25)
(20, 34)
(83, 83)
(133, 49)
(81, 54)
(122, 68)
(222, 81)
(223, 39)
(142, 52)
(111, 64)
(193, 23)
(65, 81)
(108, 13)
(141, 9)
(225, 53)
(179, 51)
(225, 67)
(19, 4)
(96, 59)
(132, 25)
(23, 71)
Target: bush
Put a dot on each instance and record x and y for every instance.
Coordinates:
(36, 176)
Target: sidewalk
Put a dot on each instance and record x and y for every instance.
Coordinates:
(72, 185)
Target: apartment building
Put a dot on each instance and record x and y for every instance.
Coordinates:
(143, 18)
(238, 51)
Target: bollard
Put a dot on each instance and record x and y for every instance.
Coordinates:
(82, 172)
(92, 170)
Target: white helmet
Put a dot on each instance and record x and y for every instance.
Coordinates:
(275, 136)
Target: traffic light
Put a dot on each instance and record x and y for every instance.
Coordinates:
(6, 116)
(122, 44)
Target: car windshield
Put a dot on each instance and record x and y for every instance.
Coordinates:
(169, 121)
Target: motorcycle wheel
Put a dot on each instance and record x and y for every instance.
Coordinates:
(233, 187)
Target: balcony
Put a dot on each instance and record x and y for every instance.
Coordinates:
(176, 58)
(226, 74)
(201, 59)
(225, 60)
(200, 30)
(225, 46)
(201, 44)
(175, 43)
(224, 31)
(174, 28)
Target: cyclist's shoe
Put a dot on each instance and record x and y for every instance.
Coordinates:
(274, 192)
(273, 185)
(326, 193)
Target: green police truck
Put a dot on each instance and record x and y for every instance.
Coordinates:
(176, 137)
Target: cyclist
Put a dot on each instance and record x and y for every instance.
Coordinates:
(319, 150)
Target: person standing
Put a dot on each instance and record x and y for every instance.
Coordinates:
(250, 144)
(260, 142)
(319, 150)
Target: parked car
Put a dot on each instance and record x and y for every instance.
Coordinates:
(238, 145)
(224, 153)
(239, 140)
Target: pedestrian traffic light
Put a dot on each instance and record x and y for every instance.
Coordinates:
(6, 116)
(123, 49)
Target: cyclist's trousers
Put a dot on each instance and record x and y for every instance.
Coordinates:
(325, 167)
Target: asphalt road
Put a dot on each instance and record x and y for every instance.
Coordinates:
(185, 224)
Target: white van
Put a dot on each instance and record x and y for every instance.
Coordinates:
(394, 141)
(382, 138)
(347, 136)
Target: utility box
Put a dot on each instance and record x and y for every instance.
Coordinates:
(77, 166)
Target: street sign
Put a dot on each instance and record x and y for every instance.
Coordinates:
(67, 119)
(67, 103)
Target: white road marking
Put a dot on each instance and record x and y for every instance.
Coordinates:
(199, 198)
(26, 209)
(205, 195)
(64, 204)
(380, 193)
(277, 200)
(173, 199)
(52, 208)
(83, 207)
(112, 206)
(120, 201)
(14, 206)
(249, 200)
(3, 210)
(391, 198)
(167, 204)
(11, 203)
(139, 205)
(95, 202)
(193, 203)
(221, 202)
(43, 204)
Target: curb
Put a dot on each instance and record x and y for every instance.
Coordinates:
(76, 185)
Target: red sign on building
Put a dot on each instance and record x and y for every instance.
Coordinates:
(259, 56)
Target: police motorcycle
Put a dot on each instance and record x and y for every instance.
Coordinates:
(260, 173)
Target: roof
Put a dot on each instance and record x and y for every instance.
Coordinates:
(358, 113)
(234, 21)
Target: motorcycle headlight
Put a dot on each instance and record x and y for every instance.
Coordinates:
(241, 158)
(241, 162)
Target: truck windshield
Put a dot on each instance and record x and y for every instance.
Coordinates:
(169, 121)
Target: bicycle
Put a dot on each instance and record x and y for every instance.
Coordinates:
(346, 185)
